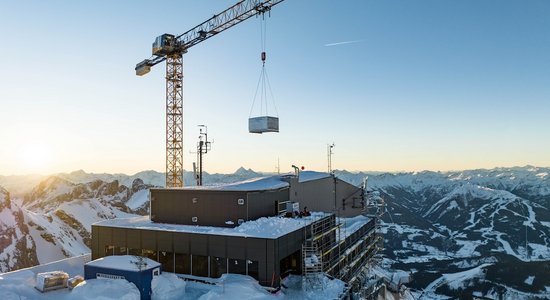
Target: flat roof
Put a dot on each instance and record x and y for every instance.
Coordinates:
(275, 182)
(306, 176)
(123, 262)
(265, 227)
(265, 183)
(351, 225)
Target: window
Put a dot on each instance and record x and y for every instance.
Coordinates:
(237, 266)
(135, 252)
(183, 263)
(109, 250)
(121, 251)
(149, 254)
(166, 259)
(199, 265)
(218, 266)
(240, 201)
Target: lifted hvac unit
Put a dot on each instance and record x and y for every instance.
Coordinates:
(263, 124)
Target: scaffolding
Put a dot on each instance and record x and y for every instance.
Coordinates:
(318, 244)
(366, 284)
(329, 249)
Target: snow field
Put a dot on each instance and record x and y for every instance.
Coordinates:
(19, 285)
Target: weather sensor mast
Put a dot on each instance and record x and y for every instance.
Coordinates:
(329, 156)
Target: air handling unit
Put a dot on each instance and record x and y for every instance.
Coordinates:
(263, 124)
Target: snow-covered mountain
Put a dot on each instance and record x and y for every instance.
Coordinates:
(53, 221)
(490, 228)
(17, 249)
(150, 177)
(474, 232)
(18, 185)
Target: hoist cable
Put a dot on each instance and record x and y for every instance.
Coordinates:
(255, 94)
(263, 82)
(272, 96)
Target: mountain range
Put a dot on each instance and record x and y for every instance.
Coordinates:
(467, 233)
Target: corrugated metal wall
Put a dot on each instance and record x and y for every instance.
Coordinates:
(266, 252)
(212, 208)
(327, 194)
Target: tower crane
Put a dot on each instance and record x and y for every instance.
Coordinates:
(170, 48)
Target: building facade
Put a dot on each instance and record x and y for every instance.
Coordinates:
(195, 232)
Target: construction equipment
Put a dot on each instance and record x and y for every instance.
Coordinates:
(263, 122)
(170, 48)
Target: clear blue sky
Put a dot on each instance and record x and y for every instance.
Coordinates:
(435, 85)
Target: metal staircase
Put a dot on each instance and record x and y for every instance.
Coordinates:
(317, 245)
(312, 267)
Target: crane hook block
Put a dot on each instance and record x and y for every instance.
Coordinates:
(263, 56)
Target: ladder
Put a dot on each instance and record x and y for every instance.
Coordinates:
(312, 267)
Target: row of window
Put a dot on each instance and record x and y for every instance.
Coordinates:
(240, 201)
(197, 265)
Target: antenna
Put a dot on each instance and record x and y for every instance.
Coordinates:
(329, 156)
(195, 172)
(203, 146)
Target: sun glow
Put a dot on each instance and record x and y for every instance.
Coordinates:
(35, 158)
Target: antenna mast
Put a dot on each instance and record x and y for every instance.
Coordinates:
(329, 156)
(203, 146)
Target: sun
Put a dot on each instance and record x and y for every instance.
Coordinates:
(35, 157)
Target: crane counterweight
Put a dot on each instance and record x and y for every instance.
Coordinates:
(143, 67)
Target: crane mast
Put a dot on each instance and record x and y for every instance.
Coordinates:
(170, 48)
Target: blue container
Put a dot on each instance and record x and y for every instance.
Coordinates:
(138, 270)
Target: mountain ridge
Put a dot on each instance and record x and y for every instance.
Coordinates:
(482, 225)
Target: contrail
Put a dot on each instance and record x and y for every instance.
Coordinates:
(342, 43)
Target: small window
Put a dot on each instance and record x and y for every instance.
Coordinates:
(109, 250)
(240, 201)
(194, 219)
(240, 221)
(156, 272)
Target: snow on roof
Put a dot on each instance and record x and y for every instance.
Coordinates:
(254, 184)
(274, 182)
(123, 262)
(265, 227)
(351, 225)
(20, 285)
(312, 175)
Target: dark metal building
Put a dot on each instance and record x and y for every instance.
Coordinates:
(195, 232)
(325, 192)
(225, 208)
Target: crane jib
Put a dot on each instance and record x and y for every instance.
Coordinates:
(171, 48)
